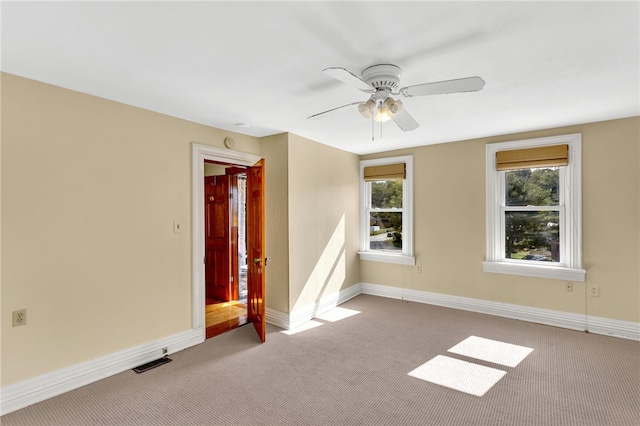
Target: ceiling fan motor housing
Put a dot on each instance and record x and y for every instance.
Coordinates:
(383, 77)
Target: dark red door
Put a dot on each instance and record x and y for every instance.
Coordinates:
(218, 284)
(255, 248)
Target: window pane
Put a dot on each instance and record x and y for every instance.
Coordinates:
(532, 187)
(386, 194)
(385, 231)
(532, 235)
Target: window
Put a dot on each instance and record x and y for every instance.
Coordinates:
(386, 210)
(534, 208)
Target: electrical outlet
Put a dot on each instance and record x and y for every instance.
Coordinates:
(594, 291)
(569, 287)
(19, 317)
(419, 269)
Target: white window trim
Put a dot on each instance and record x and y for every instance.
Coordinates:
(570, 267)
(406, 257)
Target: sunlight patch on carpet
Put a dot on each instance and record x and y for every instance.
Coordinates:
(459, 375)
(337, 314)
(492, 351)
(304, 327)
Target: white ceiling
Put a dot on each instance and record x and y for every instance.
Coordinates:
(545, 64)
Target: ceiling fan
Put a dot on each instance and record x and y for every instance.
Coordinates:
(382, 81)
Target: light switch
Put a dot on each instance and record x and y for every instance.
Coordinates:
(177, 227)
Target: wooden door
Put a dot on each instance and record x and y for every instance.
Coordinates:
(218, 284)
(234, 208)
(255, 248)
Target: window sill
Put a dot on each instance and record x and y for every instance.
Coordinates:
(399, 259)
(538, 271)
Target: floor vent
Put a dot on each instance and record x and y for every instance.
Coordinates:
(153, 364)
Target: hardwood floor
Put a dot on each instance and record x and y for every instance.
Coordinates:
(224, 316)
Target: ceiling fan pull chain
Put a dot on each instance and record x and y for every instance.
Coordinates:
(373, 128)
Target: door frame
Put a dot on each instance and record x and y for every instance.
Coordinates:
(200, 153)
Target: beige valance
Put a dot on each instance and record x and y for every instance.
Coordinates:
(544, 156)
(385, 172)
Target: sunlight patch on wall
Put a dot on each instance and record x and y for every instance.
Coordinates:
(329, 272)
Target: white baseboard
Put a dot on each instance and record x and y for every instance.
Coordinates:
(597, 325)
(31, 391)
(277, 318)
(608, 327)
(572, 321)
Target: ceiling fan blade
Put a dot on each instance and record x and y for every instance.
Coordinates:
(469, 84)
(404, 120)
(349, 78)
(333, 109)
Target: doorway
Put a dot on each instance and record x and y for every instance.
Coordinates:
(225, 228)
(247, 262)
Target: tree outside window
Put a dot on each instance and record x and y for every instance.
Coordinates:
(532, 214)
(385, 215)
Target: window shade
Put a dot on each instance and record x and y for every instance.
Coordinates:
(544, 156)
(385, 172)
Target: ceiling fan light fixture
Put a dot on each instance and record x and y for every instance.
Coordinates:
(366, 108)
(382, 114)
(392, 106)
(387, 109)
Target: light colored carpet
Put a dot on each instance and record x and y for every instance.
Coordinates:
(354, 371)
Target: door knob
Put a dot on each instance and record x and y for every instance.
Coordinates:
(256, 260)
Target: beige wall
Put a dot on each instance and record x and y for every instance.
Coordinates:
(274, 149)
(323, 221)
(450, 226)
(90, 190)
